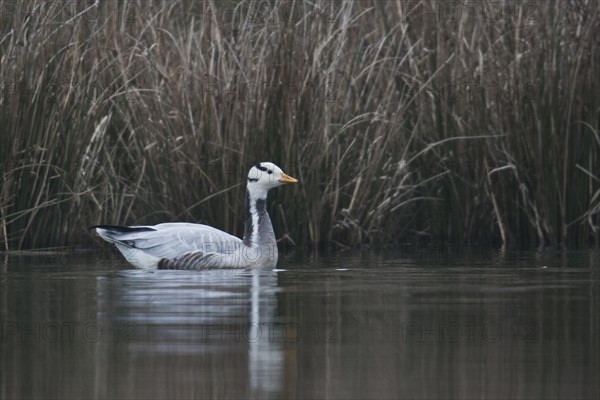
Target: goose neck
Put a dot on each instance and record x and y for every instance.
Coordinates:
(257, 220)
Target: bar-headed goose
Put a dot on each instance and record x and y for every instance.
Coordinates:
(195, 246)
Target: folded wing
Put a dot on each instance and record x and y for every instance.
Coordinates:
(171, 240)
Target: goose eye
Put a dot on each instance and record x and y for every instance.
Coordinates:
(270, 171)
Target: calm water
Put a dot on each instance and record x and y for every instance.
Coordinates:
(345, 326)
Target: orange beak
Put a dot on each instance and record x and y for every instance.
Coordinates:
(287, 179)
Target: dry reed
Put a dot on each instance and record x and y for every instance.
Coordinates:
(404, 120)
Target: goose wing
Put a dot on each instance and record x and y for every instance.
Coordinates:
(171, 240)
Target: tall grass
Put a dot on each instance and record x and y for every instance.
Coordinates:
(404, 120)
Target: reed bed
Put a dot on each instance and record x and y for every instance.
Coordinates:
(406, 121)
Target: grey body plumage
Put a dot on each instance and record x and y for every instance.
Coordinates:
(197, 246)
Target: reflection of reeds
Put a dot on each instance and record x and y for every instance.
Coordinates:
(400, 121)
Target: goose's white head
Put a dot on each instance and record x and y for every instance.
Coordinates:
(265, 176)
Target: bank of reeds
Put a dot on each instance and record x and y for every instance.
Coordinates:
(404, 120)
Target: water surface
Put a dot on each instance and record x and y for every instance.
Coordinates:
(417, 325)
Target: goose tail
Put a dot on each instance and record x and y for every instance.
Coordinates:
(118, 235)
(114, 233)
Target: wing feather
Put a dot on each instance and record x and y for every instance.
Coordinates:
(172, 240)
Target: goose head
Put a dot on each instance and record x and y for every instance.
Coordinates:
(265, 176)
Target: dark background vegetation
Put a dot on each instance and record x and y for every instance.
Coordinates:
(406, 121)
